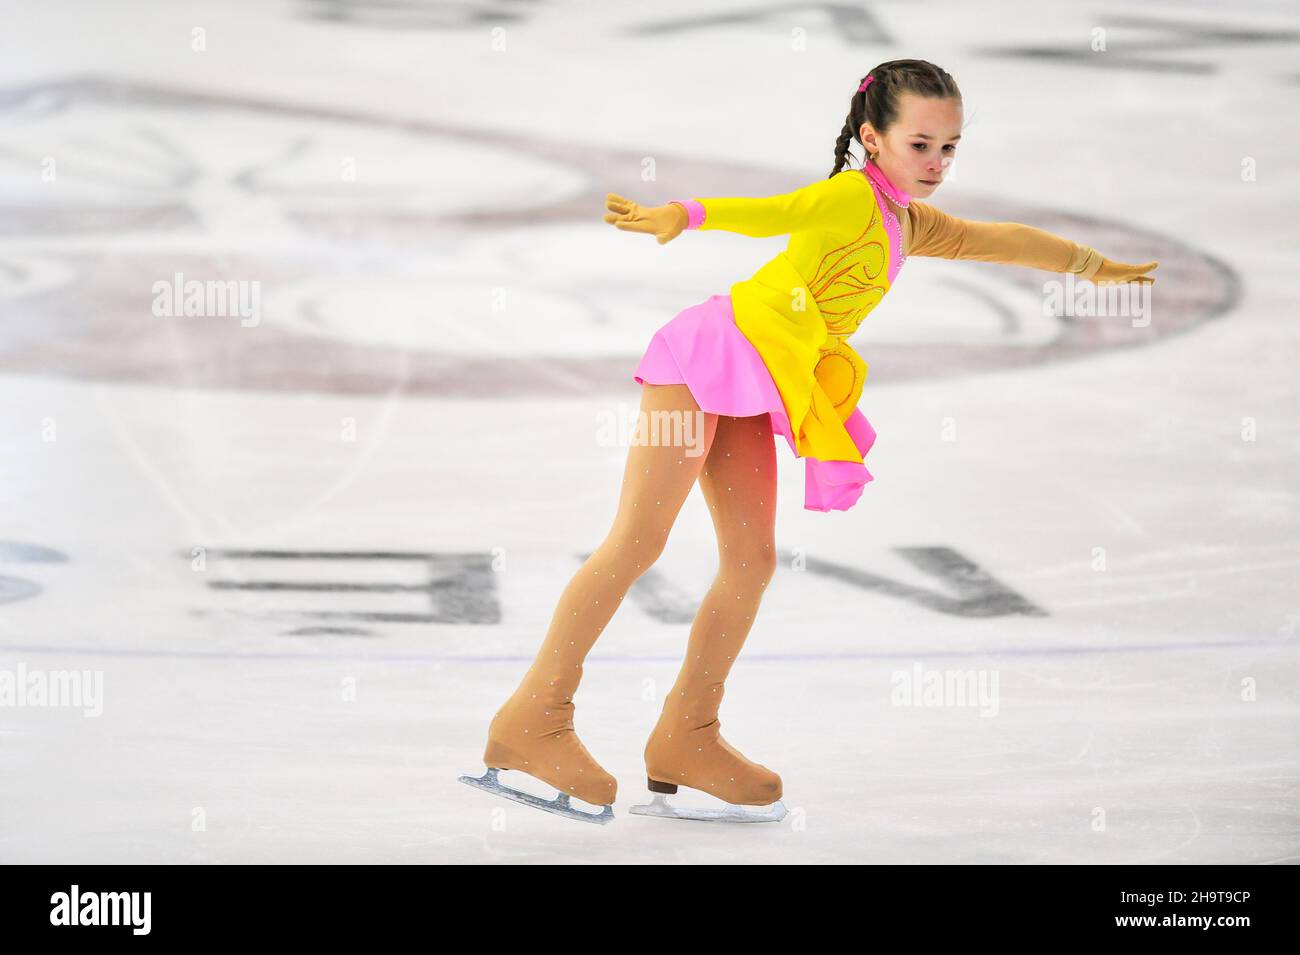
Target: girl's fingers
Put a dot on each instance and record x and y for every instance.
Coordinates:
(633, 221)
(626, 215)
(1139, 273)
(1119, 273)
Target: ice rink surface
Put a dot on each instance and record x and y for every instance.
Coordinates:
(309, 549)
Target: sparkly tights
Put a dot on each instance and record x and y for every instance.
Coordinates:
(734, 460)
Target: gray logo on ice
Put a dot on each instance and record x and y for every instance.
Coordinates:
(921, 687)
(53, 688)
(1073, 298)
(218, 299)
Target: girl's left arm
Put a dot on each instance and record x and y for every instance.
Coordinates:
(935, 233)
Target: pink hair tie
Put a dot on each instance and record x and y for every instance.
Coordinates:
(866, 83)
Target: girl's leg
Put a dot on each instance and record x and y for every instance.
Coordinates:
(533, 731)
(686, 747)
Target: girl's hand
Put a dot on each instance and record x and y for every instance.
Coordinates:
(1117, 273)
(665, 223)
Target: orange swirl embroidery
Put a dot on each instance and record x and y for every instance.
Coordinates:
(846, 285)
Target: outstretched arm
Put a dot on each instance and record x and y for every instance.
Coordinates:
(836, 204)
(935, 233)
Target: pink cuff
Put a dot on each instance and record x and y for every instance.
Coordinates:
(694, 212)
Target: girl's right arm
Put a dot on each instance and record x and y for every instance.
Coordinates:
(836, 204)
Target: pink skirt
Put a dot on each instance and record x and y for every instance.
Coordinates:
(703, 349)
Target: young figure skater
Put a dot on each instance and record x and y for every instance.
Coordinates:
(771, 357)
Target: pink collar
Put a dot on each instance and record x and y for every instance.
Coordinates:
(878, 177)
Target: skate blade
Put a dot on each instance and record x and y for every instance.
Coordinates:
(663, 809)
(489, 783)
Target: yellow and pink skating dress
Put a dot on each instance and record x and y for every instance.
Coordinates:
(777, 344)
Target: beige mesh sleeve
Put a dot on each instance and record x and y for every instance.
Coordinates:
(935, 233)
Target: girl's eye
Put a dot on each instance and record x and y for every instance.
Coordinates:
(951, 147)
(920, 146)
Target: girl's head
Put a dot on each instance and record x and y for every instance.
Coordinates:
(908, 121)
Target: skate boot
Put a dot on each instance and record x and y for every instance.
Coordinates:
(687, 749)
(533, 733)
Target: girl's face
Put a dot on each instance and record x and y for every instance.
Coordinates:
(916, 151)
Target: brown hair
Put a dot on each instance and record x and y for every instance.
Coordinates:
(878, 103)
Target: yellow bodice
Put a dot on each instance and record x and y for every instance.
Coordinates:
(800, 308)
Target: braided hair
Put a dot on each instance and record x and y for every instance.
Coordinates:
(878, 103)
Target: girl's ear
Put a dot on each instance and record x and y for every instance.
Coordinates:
(867, 135)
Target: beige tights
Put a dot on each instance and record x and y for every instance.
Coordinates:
(686, 747)
(734, 461)
(533, 731)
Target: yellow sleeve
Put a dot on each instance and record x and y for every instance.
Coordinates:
(935, 233)
(837, 204)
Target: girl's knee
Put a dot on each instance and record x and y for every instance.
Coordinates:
(753, 561)
(635, 548)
